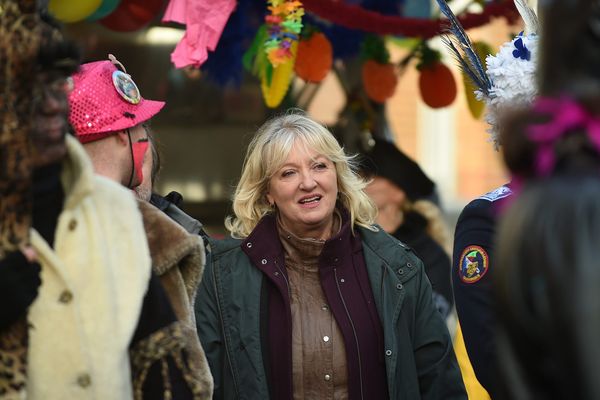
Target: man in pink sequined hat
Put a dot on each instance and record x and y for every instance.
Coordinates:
(108, 115)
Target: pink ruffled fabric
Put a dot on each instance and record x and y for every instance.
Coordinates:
(205, 21)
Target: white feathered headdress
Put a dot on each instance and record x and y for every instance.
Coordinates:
(509, 76)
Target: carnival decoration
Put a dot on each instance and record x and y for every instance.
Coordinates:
(204, 21)
(73, 11)
(475, 106)
(106, 8)
(132, 15)
(436, 82)
(353, 16)
(284, 23)
(275, 87)
(221, 28)
(314, 58)
(509, 76)
(378, 74)
(272, 54)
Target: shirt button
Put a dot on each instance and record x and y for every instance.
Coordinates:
(84, 380)
(324, 308)
(276, 273)
(400, 271)
(327, 377)
(326, 338)
(72, 225)
(409, 265)
(65, 297)
(263, 261)
(249, 244)
(388, 353)
(399, 286)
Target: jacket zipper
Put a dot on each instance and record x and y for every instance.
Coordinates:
(287, 284)
(337, 283)
(235, 386)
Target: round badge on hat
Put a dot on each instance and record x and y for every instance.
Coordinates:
(126, 87)
(474, 263)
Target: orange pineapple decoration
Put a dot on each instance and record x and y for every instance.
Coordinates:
(314, 58)
(436, 82)
(378, 75)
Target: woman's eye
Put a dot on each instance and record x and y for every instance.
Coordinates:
(320, 166)
(287, 173)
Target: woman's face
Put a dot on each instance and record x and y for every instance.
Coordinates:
(305, 190)
(385, 193)
(389, 199)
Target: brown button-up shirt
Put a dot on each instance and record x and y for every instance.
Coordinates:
(318, 351)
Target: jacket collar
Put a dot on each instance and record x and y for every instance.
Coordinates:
(77, 174)
(263, 244)
(386, 248)
(170, 243)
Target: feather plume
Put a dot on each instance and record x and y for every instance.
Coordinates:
(460, 45)
(528, 15)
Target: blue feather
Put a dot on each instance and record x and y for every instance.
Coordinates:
(465, 67)
(460, 45)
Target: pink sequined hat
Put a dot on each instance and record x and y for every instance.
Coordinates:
(105, 100)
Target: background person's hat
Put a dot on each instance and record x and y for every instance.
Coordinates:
(384, 159)
(105, 100)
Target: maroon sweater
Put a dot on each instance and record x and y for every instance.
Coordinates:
(346, 285)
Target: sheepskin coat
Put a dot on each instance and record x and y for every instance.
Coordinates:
(178, 259)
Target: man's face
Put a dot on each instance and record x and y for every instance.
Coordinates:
(49, 124)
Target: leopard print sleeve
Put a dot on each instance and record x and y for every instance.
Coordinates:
(19, 43)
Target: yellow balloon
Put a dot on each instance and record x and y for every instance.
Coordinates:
(476, 107)
(73, 10)
(280, 82)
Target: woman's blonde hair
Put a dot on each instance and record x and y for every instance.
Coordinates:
(268, 151)
(437, 227)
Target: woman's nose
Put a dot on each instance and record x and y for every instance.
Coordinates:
(308, 182)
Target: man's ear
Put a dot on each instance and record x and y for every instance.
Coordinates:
(122, 137)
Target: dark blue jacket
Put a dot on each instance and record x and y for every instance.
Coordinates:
(472, 282)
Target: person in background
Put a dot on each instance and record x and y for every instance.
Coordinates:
(402, 192)
(89, 259)
(172, 202)
(178, 258)
(507, 82)
(399, 188)
(548, 272)
(309, 299)
(110, 119)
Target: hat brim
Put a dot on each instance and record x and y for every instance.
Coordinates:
(144, 111)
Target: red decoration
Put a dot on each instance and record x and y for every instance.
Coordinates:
(379, 80)
(355, 17)
(437, 85)
(132, 15)
(314, 59)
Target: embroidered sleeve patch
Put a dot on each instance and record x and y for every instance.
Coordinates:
(474, 262)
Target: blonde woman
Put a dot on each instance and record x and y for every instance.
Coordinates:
(308, 299)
